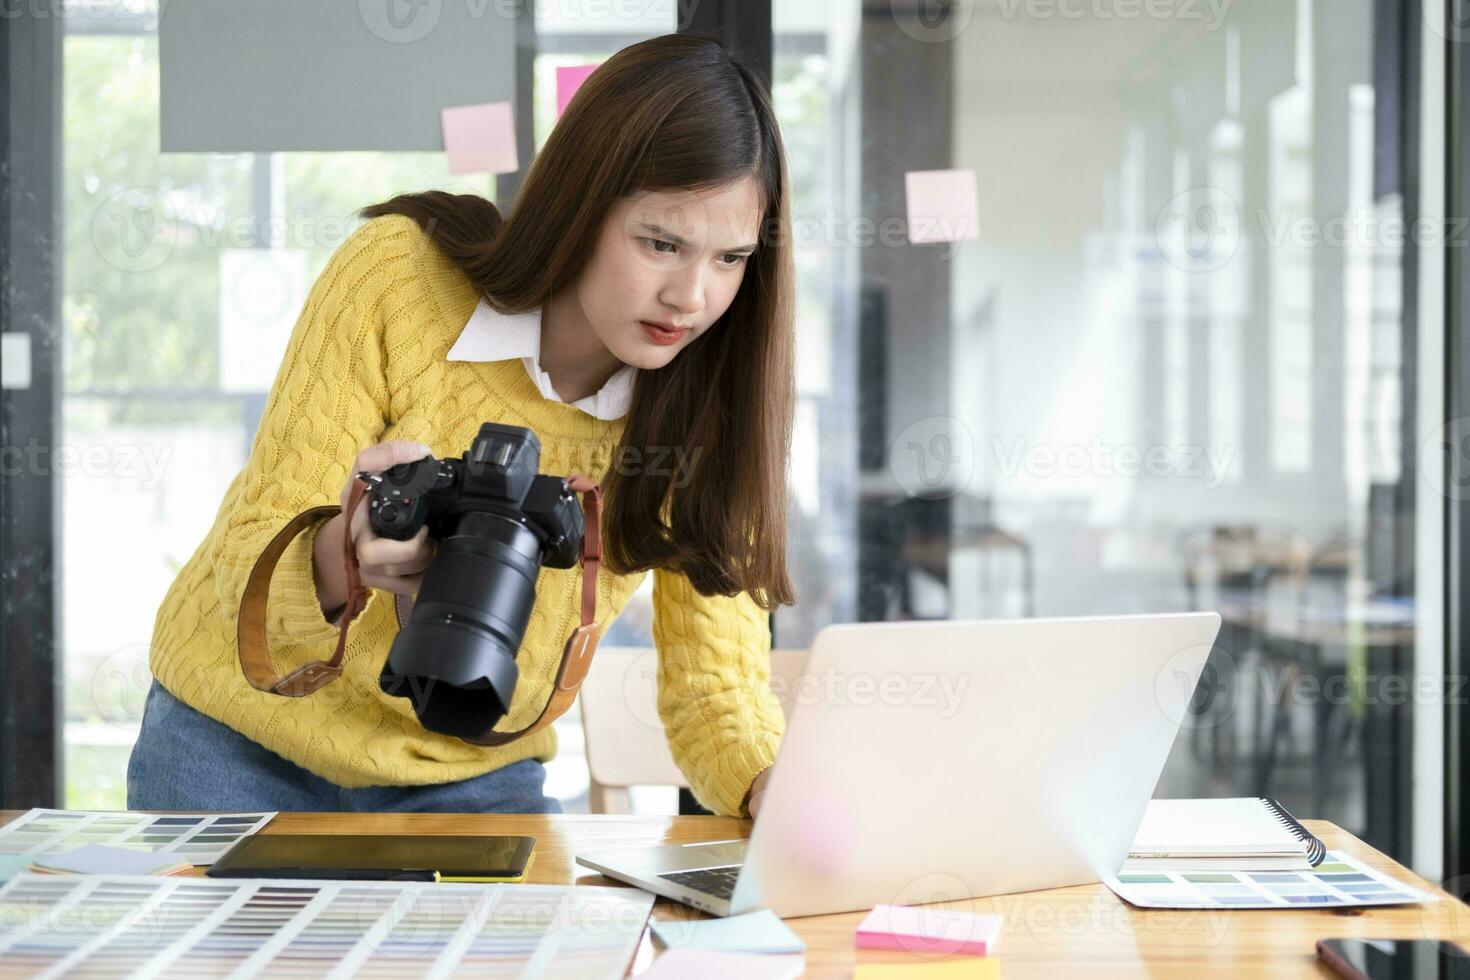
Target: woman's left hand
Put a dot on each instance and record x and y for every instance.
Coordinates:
(757, 788)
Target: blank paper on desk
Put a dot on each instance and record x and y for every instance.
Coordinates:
(99, 859)
(326, 75)
(754, 932)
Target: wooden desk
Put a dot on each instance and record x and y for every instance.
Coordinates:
(1084, 931)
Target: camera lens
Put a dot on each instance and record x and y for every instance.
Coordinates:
(455, 658)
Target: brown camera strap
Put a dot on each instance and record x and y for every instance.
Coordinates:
(254, 649)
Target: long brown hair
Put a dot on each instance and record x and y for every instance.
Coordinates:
(673, 112)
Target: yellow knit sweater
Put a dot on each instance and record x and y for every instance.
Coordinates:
(366, 363)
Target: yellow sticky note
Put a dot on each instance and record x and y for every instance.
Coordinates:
(949, 968)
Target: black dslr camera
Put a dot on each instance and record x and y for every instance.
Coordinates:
(497, 521)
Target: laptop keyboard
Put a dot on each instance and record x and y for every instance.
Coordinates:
(719, 882)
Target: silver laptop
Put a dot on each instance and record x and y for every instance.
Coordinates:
(934, 761)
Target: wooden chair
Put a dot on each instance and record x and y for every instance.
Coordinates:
(625, 738)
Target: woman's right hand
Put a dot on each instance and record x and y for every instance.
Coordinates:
(383, 563)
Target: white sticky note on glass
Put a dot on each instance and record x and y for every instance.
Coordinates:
(480, 138)
(261, 293)
(15, 360)
(942, 206)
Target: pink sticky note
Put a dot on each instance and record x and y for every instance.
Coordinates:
(480, 138)
(942, 206)
(923, 929)
(568, 80)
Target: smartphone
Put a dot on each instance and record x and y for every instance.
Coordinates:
(1395, 959)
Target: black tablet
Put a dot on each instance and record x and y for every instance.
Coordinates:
(376, 857)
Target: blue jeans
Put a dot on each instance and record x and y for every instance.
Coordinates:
(185, 760)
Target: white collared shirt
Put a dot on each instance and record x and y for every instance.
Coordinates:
(493, 336)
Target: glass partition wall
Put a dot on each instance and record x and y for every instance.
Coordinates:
(1160, 366)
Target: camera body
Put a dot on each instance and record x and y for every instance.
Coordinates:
(497, 521)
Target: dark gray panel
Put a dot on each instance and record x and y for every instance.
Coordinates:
(327, 74)
(30, 532)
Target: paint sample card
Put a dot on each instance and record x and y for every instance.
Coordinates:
(480, 138)
(194, 838)
(942, 206)
(182, 927)
(569, 78)
(1338, 881)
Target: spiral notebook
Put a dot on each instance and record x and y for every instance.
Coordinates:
(1239, 834)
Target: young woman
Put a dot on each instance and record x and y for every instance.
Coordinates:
(635, 310)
